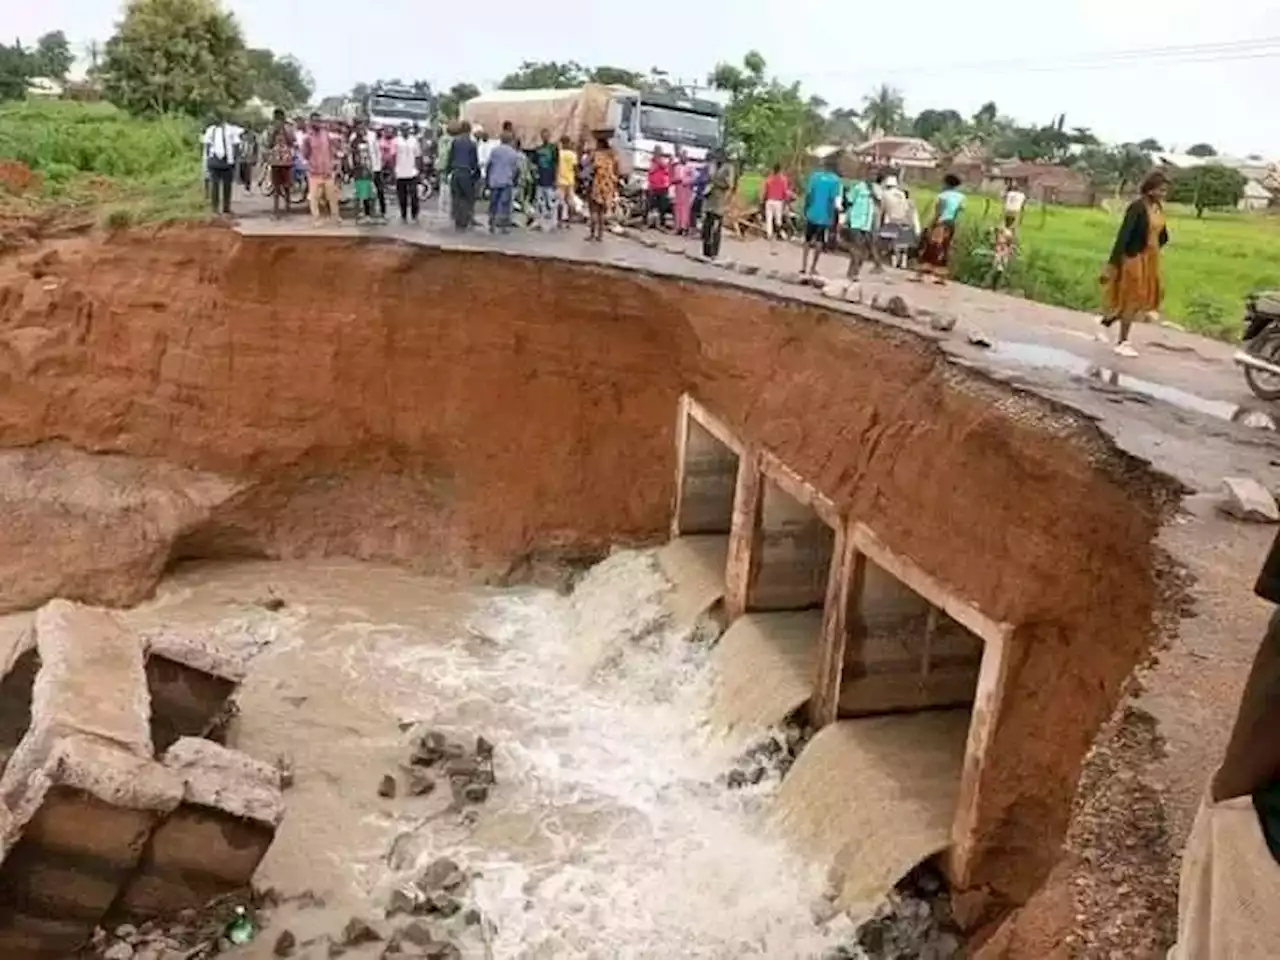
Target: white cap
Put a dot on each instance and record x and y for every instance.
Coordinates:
(890, 181)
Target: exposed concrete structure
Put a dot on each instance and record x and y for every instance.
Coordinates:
(891, 637)
(86, 811)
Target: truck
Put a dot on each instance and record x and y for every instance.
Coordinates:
(637, 121)
(390, 105)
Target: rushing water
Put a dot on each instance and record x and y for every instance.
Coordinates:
(610, 834)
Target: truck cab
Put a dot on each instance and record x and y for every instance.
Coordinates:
(644, 121)
(390, 105)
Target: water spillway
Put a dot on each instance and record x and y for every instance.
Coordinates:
(886, 537)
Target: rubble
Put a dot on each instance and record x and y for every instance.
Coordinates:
(897, 306)
(433, 757)
(1247, 499)
(146, 837)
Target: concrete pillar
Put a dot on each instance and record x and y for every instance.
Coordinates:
(707, 458)
(744, 536)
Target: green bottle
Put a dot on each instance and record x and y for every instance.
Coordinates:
(241, 929)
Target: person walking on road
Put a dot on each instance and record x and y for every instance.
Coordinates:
(408, 159)
(604, 185)
(719, 191)
(777, 194)
(463, 166)
(935, 251)
(860, 221)
(1131, 282)
(821, 194)
(317, 150)
(221, 141)
(503, 173)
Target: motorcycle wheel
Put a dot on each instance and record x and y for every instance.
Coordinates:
(298, 190)
(1265, 346)
(426, 189)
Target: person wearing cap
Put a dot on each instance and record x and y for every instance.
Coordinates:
(719, 190)
(897, 227)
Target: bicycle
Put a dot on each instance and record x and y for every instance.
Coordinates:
(298, 186)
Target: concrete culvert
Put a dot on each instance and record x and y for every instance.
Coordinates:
(265, 496)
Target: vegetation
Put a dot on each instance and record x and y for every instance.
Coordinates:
(95, 154)
(1208, 187)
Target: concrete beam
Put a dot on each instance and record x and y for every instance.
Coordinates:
(744, 536)
(848, 569)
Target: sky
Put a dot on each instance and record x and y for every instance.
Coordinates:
(1216, 77)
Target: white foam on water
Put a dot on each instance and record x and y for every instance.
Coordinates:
(606, 758)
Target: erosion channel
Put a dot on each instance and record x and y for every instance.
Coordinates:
(439, 602)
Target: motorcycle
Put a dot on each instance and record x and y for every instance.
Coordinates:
(1260, 356)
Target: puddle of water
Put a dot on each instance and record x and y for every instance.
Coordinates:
(1036, 355)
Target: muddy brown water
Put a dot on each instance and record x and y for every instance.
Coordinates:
(609, 835)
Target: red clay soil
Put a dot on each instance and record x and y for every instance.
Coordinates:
(465, 412)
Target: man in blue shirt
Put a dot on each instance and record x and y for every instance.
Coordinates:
(820, 196)
(862, 222)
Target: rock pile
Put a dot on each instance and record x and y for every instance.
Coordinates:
(770, 758)
(913, 923)
(432, 758)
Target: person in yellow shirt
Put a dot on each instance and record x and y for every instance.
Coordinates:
(566, 174)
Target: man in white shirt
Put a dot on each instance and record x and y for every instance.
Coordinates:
(221, 140)
(408, 155)
(1014, 202)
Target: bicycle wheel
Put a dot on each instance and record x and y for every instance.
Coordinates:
(426, 189)
(298, 190)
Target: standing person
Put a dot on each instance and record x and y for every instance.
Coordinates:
(1002, 250)
(860, 221)
(504, 173)
(408, 155)
(1132, 287)
(935, 250)
(566, 179)
(220, 144)
(720, 186)
(701, 180)
(1015, 201)
(280, 162)
(820, 196)
(658, 188)
(443, 144)
(777, 194)
(604, 185)
(317, 150)
(373, 143)
(248, 158)
(364, 154)
(898, 221)
(682, 191)
(484, 147)
(546, 167)
(463, 165)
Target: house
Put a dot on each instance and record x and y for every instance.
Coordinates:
(44, 88)
(904, 153)
(1046, 182)
(1256, 197)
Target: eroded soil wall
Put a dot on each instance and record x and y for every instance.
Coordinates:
(466, 411)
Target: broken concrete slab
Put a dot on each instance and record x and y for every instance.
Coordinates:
(1247, 499)
(213, 841)
(73, 837)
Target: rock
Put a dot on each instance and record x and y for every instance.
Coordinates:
(835, 289)
(475, 793)
(428, 748)
(401, 901)
(358, 932)
(285, 770)
(420, 783)
(285, 944)
(942, 322)
(443, 904)
(272, 603)
(454, 750)
(1255, 420)
(118, 951)
(617, 231)
(747, 269)
(336, 950)
(440, 874)
(1248, 500)
(898, 307)
(484, 749)
(978, 339)
(464, 767)
(417, 933)
(471, 917)
(387, 787)
(126, 931)
(853, 294)
(648, 242)
(724, 263)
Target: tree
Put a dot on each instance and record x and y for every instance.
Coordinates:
(278, 81)
(17, 67)
(619, 75)
(451, 101)
(842, 126)
(1201, 150)
(1208, 186)
(882, 110)
(1132, 164)
(929, 123)
(52, 56)
(533, 75)
(1150, 145)
(176, 55)
(773, 122)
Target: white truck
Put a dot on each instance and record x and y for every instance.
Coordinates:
(637, 121)
(390, 105)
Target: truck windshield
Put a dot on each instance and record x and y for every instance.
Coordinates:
(679, 126)
(400, 108)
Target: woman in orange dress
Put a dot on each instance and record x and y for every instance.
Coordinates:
(604, 185)
(1132, 289)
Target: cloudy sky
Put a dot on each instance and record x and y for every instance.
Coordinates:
(1209, 69)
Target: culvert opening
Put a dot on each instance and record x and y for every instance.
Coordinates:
(16, 688)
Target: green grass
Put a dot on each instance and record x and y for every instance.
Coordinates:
(1209, 265)
(93, 155)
